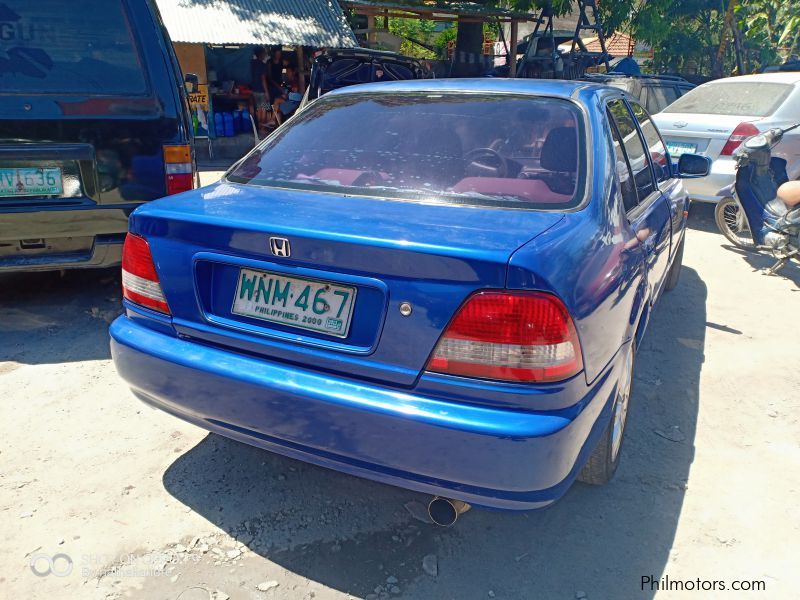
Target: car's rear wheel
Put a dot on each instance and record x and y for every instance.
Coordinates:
(603, 462)
(733, 223)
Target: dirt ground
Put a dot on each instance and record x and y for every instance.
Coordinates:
(141, 505)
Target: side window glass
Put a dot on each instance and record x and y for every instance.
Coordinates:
(655, 145)
(660, 97)
(646, 97)
(624, 175)
(634, 148)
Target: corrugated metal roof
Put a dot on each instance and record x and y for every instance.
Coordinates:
(262, 22)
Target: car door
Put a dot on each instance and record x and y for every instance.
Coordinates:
(645, 205)
(674, 193)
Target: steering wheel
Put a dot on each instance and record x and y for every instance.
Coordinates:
(485, 162)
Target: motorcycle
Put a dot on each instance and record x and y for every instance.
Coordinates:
(761, 210)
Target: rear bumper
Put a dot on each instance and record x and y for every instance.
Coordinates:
(58, 227)
(487, 456)
(705, 189)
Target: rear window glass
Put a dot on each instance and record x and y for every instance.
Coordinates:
(751, 99)
(76, 47)
(517, 152)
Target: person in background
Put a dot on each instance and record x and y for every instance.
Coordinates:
(274, 80)
(259, 81)
(293, 98)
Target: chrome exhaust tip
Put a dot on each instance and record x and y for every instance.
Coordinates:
(444, 511)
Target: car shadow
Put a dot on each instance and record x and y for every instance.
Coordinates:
(348, 534)
(52, 317)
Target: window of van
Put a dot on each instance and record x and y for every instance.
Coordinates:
(57, 47)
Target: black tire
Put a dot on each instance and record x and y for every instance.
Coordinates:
(603, 463)
(674, 274)
(732, 225)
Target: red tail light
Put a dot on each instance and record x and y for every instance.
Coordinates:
(140, 282)
(510, 336)
(179, 168)
(740, 134)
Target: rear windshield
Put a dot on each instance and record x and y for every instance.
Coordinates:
(509, 151)
(749, 99)
(75, 47)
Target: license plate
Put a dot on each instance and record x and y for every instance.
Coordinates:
(31, 181)
(295, 301)
(678, 148)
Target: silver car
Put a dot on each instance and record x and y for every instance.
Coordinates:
(716, 117)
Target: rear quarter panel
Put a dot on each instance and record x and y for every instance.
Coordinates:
(591, 261)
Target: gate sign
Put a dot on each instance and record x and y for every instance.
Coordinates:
(199, 99)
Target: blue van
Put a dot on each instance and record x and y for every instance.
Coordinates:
(93, 122)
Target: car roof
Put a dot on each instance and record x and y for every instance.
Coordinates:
(550, 87)
(780, 77)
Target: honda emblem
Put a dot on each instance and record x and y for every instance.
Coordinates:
(280, 247)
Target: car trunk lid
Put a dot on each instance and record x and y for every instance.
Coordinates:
(214, 255)
(698, 133)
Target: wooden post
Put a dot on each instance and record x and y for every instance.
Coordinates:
(301, 69)
(512, 50)
(372, 37)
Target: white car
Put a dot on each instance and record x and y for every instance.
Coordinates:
(715, 118)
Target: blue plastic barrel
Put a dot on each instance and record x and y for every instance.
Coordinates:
(230, 131)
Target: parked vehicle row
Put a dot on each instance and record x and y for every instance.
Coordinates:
(438, 284)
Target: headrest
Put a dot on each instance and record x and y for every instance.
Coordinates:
(560, 150)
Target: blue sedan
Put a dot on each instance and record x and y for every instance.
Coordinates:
(439, 285)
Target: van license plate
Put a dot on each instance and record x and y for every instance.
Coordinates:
(294, 301)
(31, 181)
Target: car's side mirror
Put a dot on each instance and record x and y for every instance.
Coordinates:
(190, 82)
(691, 166)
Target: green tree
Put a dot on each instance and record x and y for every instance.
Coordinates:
(416, 34)
(771, 29)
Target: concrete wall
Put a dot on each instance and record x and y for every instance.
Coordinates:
(193, 59)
